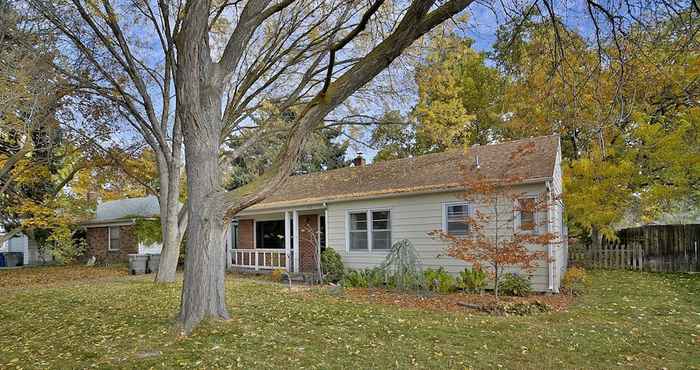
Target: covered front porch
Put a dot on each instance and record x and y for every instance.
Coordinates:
(265, 241)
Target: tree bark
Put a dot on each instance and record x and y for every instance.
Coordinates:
(203, 293)
(169, 212)
(596, 237)
(199, 109)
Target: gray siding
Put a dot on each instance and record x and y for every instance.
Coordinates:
(560, 249)
(412, 218)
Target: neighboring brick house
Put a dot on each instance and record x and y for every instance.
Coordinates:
(110, 234)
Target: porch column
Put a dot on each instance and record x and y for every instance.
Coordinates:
(296, 240)
(287, 240)
(228, 244)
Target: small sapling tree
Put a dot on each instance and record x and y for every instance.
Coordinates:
(499, 225)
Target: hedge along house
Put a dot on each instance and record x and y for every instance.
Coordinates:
(361, 211)
(111, 234)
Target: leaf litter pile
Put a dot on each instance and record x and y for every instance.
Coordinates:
(450, 302)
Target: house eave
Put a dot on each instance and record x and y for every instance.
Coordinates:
(390, 193)
(112, 222)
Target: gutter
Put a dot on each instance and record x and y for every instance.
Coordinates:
(376, 195)
(113, 222)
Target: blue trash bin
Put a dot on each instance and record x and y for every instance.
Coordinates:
(2, 259)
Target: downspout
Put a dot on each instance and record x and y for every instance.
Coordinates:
(551, 267)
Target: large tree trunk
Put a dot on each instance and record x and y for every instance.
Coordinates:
(203, 293)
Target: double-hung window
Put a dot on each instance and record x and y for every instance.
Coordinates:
(114, 238)
(358, 231)
(456, 219)
(381, 230)
(369, 230)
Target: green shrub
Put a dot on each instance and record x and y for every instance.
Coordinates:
(514, 285)
(148, 231)
(439, 280)
(355, 279)
(473, 280)
(332, 266)
(367, 278)
(575, 281)
(376, 277)
(402, 267)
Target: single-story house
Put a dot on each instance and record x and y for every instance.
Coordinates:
(360, 211)
(111, 235)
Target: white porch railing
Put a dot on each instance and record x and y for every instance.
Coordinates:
(260, 259)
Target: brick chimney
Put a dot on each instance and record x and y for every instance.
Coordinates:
(93, 196)
(359, 160)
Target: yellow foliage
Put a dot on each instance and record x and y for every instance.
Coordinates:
(575, 281)
(276, 275)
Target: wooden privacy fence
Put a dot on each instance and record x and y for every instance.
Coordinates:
(662, 248)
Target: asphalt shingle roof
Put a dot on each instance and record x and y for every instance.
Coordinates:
(431, 172)
(127, 208)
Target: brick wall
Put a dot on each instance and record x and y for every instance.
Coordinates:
(245, 234)
(97, 244)
(308, 229)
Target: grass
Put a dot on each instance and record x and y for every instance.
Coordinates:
(630, 319)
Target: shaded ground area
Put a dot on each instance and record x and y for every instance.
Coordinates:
(30, 276)
(629, 320)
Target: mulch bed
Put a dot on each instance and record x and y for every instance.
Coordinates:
(450, 302)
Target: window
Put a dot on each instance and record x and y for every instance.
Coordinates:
(322, 229)
(526, 214)
(114, 242)
(269, 234)
(369, 230)
(358, 231)
(381, 230)
(456, 215)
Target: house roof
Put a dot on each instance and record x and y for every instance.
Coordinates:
(427, 173)
(125, 209)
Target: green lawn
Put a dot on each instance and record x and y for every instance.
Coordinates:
(634, 320)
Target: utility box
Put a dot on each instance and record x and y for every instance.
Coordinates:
(153, 262)
(137, 264)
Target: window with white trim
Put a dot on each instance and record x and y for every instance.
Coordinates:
(114, 242)
(381, 230)
(358, 231)
(369, 230)
(455, 217)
